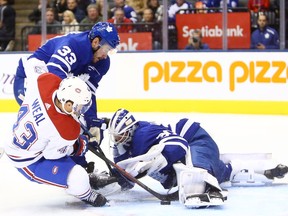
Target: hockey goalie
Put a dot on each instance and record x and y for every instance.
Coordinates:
(183, 155)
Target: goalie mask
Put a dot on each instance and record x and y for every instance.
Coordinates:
(75, 90)
(121, 126)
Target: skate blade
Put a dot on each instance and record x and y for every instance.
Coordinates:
(195, 202)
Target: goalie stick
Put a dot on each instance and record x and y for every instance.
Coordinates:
(163, 197)
(98, 152)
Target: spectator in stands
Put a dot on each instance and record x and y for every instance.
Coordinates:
(138, 6)
(214, 5)
(79, 14)
(93, 16)
(122, 24)
(72, 5)
(258, 5)
(200, 7)
(195, 41)
(148, 24)
(100, 5)
(35, 15)
(53, 25)
(83, 4)
(61, 5)
(69, 22)
(7, 24)
(231, 4)
(157, 9)
(174, 8)
(128, 11)
(264, 37)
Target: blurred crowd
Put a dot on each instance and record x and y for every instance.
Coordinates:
(64, 16)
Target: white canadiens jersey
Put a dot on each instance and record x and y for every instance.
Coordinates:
(41, 129)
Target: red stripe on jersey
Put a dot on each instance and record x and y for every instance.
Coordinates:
(66, 125)
(42, 181)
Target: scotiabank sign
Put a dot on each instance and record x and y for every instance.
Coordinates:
(129, 41)
(238, 29)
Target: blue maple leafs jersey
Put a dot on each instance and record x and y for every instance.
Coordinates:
(147, 135)
(72, 54)
(176, 138)
(63, 54)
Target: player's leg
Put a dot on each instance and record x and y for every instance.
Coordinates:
(205, 155)
(256, 172)
(66, 174)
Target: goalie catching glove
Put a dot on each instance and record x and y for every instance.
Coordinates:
(97, 128)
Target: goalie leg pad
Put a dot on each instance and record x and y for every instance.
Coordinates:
(247, 177)
(190, 181)
(197, 188)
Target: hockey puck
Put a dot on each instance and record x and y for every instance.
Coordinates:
(165, 202)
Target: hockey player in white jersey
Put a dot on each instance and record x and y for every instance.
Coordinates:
(184, 150)
(47, 134)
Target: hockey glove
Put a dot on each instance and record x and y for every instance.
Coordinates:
(99, 125)
(124, 183)
(80, 146)
(139, 167)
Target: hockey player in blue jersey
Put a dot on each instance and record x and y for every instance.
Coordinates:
(82, 54)
(141, 148)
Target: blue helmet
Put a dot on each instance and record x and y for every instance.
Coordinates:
(107, 32)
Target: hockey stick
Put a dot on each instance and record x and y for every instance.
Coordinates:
(98, 152)
(163, 197)
(86, 131)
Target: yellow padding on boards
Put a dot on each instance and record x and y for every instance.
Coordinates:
(201, 106)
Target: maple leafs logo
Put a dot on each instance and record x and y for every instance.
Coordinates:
(109, 29)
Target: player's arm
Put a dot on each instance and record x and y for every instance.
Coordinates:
(95, 125)
(159, 159)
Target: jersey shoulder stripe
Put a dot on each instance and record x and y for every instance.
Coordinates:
(66, 125)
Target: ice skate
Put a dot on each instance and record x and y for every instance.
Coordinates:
(278, 172)
(95, 199)
(100, 180)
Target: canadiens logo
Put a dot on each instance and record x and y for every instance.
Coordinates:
(55, 170)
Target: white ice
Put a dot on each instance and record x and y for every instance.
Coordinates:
(233, 133)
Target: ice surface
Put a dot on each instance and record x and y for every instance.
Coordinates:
(233, 133)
